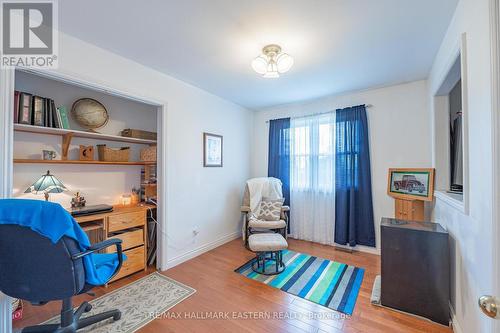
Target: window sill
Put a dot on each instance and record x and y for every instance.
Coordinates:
(454, 200)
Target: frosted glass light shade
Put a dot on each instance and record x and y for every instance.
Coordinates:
(271, 71)
(284, 62)
(272, 62)
(271, 75)
(259, 64)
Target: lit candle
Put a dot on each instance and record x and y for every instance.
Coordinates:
(126, 199)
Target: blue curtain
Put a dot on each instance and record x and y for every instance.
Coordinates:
(354, 224)
(279, 154)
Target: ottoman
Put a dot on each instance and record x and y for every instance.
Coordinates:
(268, 252)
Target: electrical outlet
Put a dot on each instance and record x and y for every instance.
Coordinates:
(196, 231)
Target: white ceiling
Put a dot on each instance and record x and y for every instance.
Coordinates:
(338, 45)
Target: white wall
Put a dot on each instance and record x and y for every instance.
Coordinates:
(206, 198)
(399, 133)
(471, 235)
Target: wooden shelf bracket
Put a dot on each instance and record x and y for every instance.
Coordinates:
(66, 141)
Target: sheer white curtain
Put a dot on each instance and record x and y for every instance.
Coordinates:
(312, 178)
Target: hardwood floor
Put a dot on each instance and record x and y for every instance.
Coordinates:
(221, 290)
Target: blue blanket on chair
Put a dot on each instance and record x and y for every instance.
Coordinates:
(51, 220)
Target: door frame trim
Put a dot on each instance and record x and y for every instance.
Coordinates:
(495, 130)
(6, 169)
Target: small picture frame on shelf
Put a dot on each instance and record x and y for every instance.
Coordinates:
(48, 155)
(212, 150)
(411, 183)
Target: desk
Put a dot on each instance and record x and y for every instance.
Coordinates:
(128, 223)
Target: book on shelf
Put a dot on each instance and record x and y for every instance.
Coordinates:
(63, 113)
(38, 118)
(59, 119)
(39, 111)
(53, 112)
(46, 121)
(24, 112)
(17, 95)
(49, 121)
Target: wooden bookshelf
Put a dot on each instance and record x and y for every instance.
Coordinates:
(33, 161)
(124, 111)
(79, 134)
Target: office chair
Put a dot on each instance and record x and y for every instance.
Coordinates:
(36, 269)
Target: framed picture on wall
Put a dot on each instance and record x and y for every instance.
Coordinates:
(411, 184)
(212, 150)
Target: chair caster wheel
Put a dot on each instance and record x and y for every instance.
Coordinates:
(88, 307)
(117, 316)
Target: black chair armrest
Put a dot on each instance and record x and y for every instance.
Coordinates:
(102, 245)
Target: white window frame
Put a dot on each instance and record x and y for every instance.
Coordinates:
(441, 134)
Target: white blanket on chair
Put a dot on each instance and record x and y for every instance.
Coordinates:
(263, 187)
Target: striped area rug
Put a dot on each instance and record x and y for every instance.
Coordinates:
(328, 283)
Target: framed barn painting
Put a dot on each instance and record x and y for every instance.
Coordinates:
(212, 150)
(411, 184)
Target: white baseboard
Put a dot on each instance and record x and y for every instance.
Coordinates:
(367, 249)
(218, 242)
(360, 248)
(202, 249)
(454, 321)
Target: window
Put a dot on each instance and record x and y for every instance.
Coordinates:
(348, 153)
(312, 151)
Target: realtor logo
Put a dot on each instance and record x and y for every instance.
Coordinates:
(29, 34)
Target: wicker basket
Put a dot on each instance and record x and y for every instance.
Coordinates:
(139, 134)
(113, 154)
(148, 154)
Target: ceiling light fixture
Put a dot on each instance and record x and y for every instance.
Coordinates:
(272, 62)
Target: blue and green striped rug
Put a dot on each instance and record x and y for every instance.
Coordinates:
(328, 283)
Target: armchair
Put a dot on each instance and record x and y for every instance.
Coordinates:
(252, 224)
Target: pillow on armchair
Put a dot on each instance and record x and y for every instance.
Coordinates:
(270, 210)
